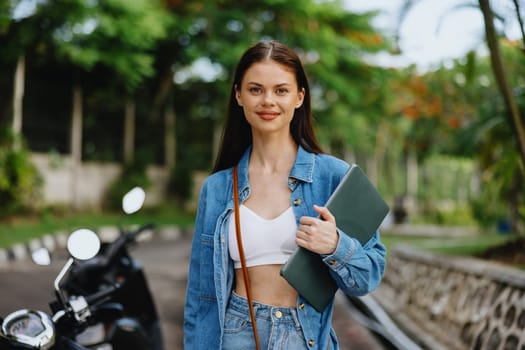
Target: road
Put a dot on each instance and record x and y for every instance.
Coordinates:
(24, 285)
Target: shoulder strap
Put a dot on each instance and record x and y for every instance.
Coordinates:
(241, 254)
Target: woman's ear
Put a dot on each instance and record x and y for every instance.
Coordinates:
(300, 99)
(237, 95)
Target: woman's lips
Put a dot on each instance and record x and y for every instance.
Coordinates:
(267, 115)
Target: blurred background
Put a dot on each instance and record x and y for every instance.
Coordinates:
(97, 96)
(428, 97)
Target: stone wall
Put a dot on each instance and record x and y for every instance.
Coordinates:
(453, 302)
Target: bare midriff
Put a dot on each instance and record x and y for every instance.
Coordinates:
(267, 286)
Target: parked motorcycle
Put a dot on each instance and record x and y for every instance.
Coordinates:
(33, 329)
(103, 299)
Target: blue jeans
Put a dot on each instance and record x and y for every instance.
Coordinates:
(277, 327)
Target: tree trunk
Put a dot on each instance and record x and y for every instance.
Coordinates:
(501, 79)
(18, 99)
(380, 147)
(170, 140)
(371, 170)
(76, 144)
(520, 21)
(412, 174)
(515, 195)
(412, 180)
(129, 131)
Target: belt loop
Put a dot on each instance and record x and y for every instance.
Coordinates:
(295, 317)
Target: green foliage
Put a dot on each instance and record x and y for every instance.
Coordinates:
(19, 180)
(5, 11)
(447, 187)
(117, 34)
(181, 183)
(488, 208)
(447, 177)
(488, 135)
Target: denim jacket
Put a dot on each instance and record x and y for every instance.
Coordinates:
(357, 271)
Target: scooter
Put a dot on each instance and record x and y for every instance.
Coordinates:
(129, 320)
(118, 311)
(34, 329)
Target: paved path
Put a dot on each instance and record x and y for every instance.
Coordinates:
(24, 285)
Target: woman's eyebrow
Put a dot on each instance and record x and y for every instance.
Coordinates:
(259, 84)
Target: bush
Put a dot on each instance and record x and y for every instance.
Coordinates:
(488, 209)
(181, 183)
(20, 182)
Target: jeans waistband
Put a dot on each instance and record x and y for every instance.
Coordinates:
(264, 311)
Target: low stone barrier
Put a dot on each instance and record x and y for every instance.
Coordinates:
(21, 251)
(450, 303)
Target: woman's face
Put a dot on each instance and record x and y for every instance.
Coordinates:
(269, 96)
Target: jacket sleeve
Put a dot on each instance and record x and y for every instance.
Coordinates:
(191, 307)
(357, 269)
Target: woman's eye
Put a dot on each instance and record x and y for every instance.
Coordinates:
(255, 90)
(281, 91)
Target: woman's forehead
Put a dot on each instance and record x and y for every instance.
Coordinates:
(269, 72)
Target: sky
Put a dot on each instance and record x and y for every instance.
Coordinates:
(434, 31)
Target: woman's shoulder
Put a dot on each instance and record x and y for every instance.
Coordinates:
(329, 163)
(217, 179)
(215, 187)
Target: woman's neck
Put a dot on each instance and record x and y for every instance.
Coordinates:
(271, 156)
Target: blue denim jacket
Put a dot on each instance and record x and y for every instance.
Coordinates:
(313, 178)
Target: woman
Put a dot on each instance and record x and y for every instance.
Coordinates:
(283, 174)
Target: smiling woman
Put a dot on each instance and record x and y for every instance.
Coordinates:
(269, 178)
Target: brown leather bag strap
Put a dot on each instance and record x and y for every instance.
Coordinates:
(241, 254)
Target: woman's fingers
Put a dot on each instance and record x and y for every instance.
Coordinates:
(318, 234)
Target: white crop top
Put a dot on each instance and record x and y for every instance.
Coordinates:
(264, 241)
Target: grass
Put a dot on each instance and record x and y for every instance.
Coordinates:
(24, 228)
(456, 246)
(467, 245)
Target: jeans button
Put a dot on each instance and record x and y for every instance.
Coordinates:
(278, 314)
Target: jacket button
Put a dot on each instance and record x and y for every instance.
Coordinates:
(297, 202)
(311, 342)
(332, 262)
(292, 180)
(301, 306)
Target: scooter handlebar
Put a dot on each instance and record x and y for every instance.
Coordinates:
(116, 246)
(98, 296)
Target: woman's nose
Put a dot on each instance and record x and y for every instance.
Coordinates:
(268, 98)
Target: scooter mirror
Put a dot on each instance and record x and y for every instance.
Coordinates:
(133, 200)
(41, 257)
(83, 244)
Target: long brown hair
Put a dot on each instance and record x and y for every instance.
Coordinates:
(237, 134)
